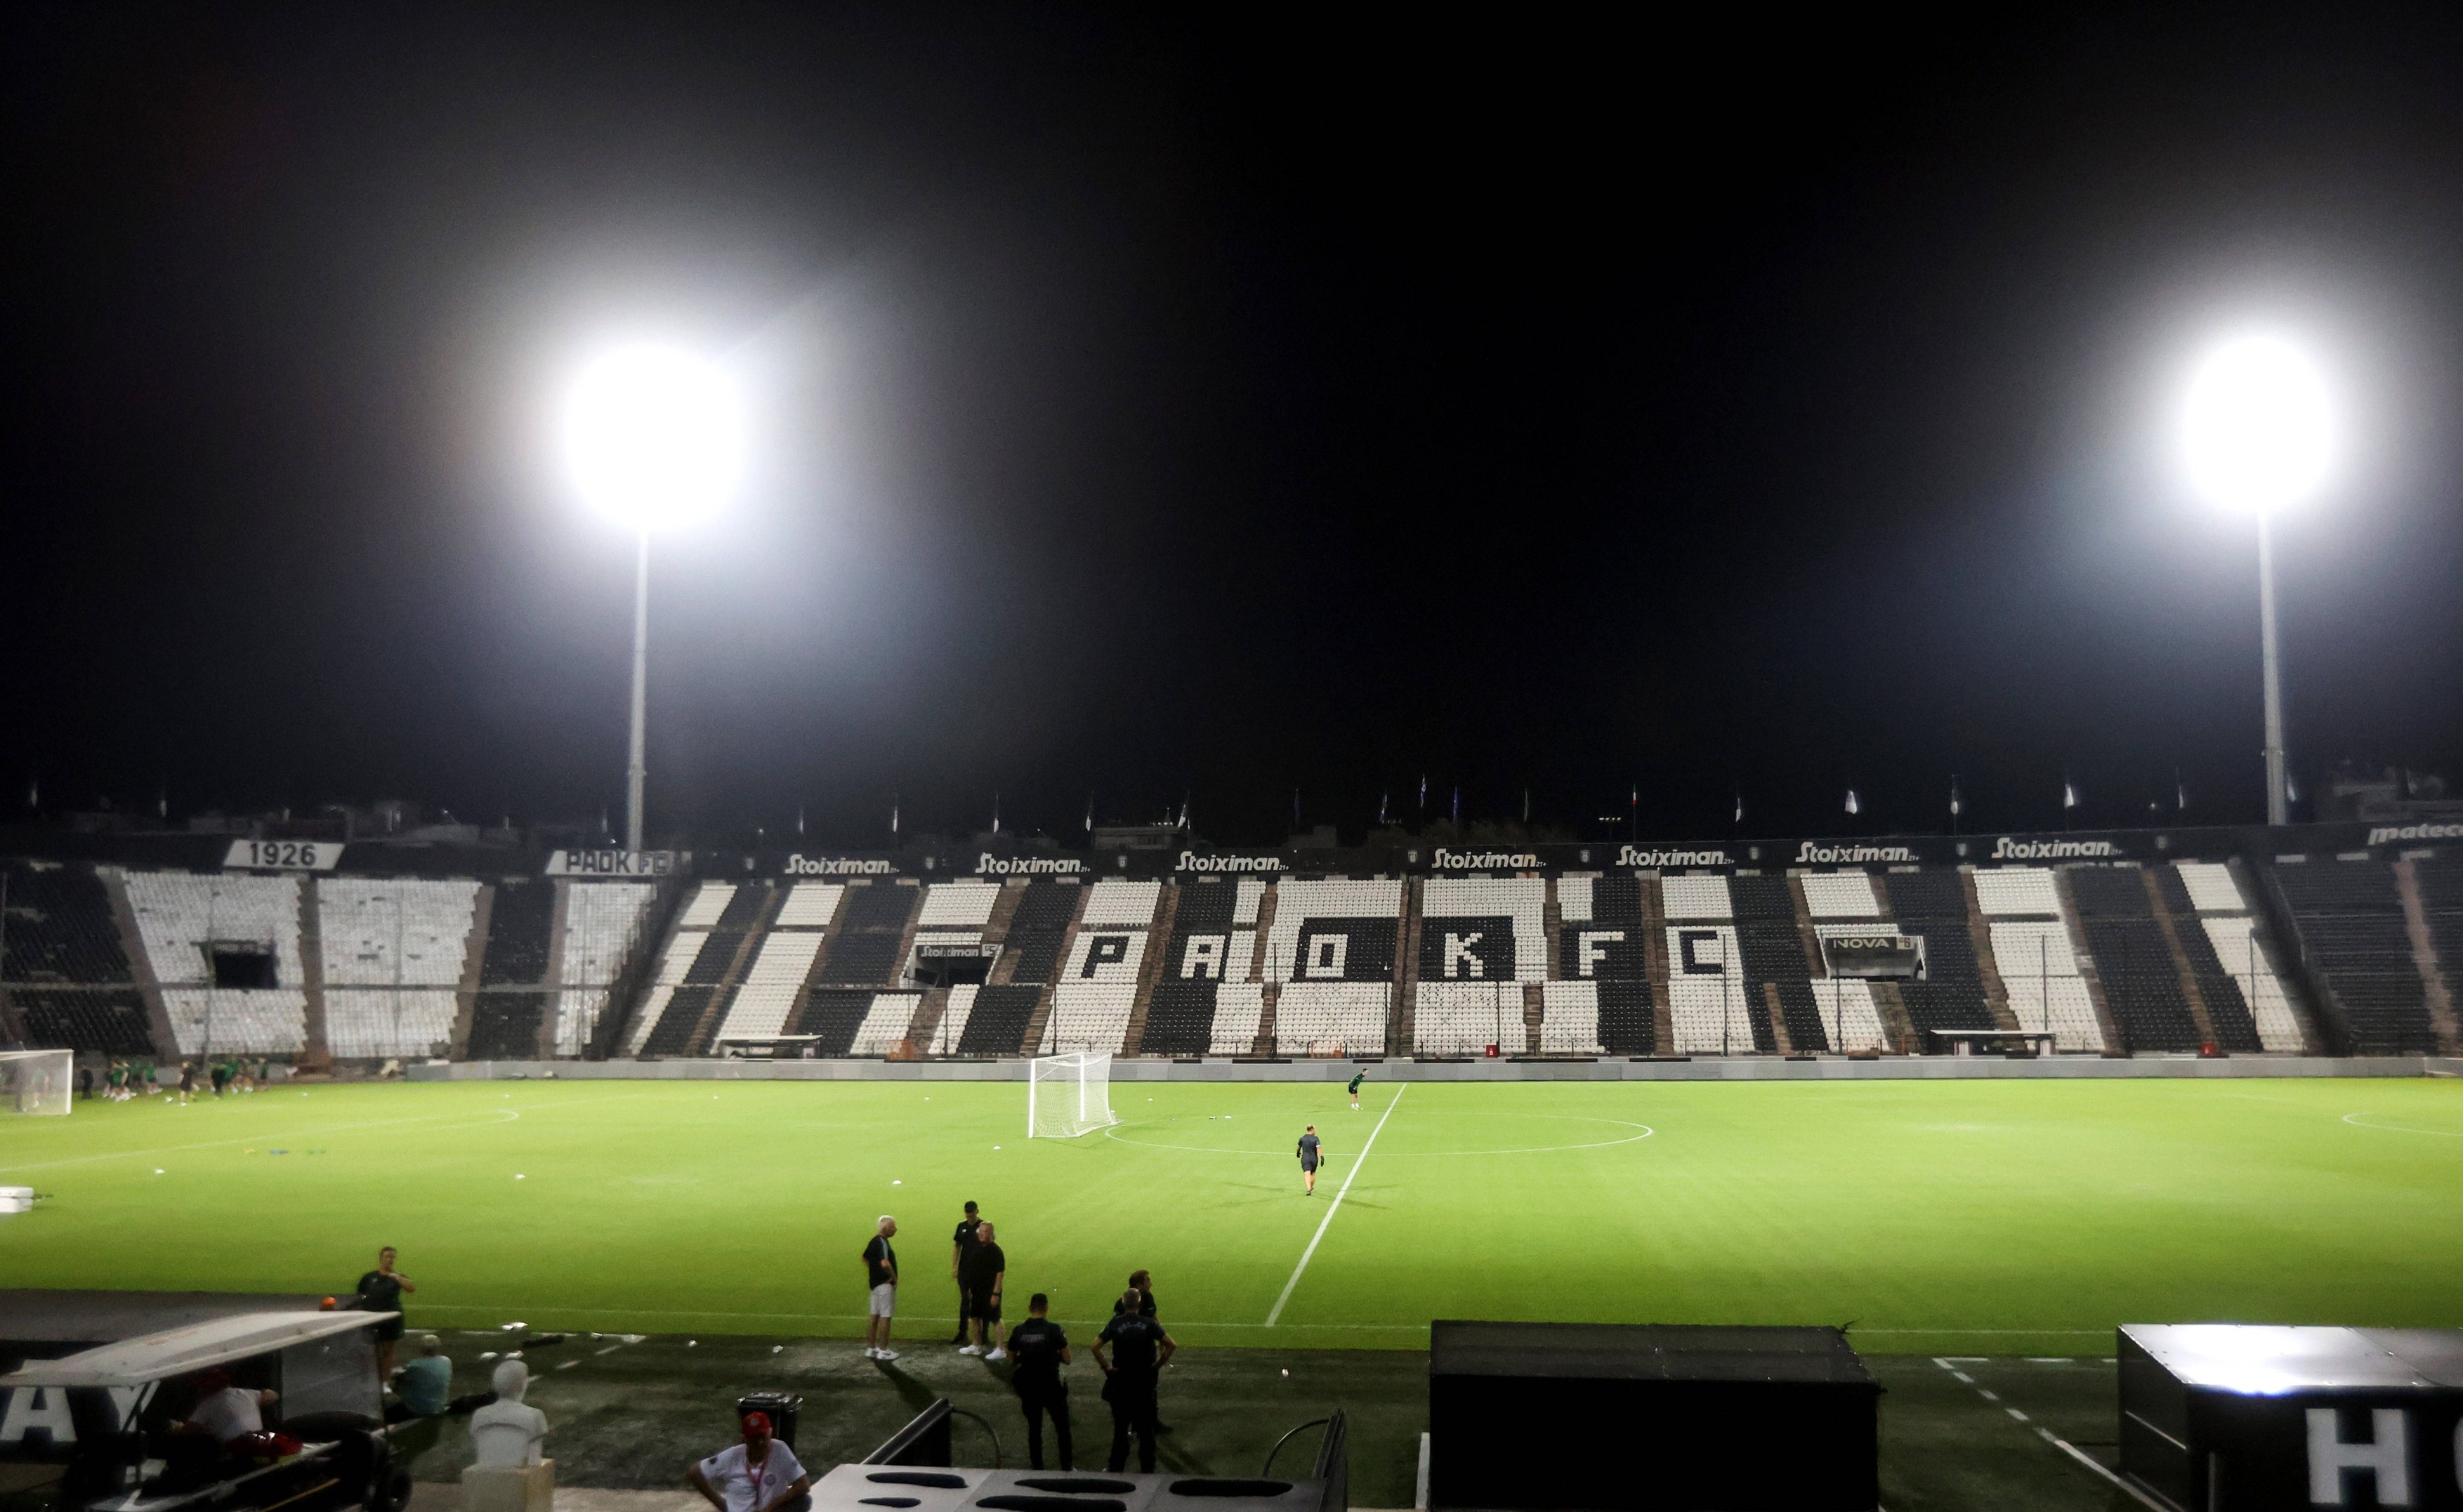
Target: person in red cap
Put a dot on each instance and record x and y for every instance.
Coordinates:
(759, 1475)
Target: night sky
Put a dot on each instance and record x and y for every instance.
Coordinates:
(1153, 407)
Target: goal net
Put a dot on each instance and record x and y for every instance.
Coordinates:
(37, 1080)
(1068, 1095)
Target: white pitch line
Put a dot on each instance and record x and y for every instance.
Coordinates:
(1358, 1161)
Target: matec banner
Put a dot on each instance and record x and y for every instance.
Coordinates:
(642, 863)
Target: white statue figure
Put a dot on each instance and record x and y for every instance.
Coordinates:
(506, 1434)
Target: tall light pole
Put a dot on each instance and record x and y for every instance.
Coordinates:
(654, 437)
(2259, 436)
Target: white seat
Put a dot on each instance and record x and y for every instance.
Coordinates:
(1350, 1014)
(809, 905)
(1694, 897)
(2212, 886)
(1840, 895)
(2004, 892)
(1570, 1019)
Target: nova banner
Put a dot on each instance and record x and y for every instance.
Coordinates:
(1879, 956)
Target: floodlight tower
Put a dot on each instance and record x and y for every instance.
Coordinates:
(2259, 435)
(654, 438)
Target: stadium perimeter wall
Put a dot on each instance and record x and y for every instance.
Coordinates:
(1737, 1068)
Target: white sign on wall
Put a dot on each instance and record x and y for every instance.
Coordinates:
(282, 855)
(611, 864)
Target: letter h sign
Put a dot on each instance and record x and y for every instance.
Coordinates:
(2336, 1463)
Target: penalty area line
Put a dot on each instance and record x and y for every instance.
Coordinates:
(1323, 1223)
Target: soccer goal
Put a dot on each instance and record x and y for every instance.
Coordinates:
(37, 1080)
(1068, 1095)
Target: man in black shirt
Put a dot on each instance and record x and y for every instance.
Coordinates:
(1311, 1152)
(961, 1244)
(1042, 1348)
(1141, 1350)
(985, 1269)
(381, 1291)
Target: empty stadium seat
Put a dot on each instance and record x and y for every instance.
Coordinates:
(395, 951)
(1569, 1022)
(179, 916)
(1483, 929)
(771, 985)
(809, 905)
(59, 926)
(1840, 895)
(1932, 906)
(602, 925)
(1772, 954)
(2039, 972)
(1334, 931)
(1464, 1017)
(1331, 1017)
(108, 1021)
(2017, 892)
(2351, 921)
(997, 1023)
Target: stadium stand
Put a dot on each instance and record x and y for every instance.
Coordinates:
(2207, 907)
(1200, 958)
(2351, 928)
(60, 931)
(2229, 947)
(667, 985)
(767, 995)
(1932, 906)
(872, 925)
(1708, 1006)
(60, 928)
(856, 1022)
(887, 1020)
(2133, 960)
(1037, 930)
(198, 931)
(521, 925)
(394, 955)
(950, 1030)
(961, 906)
(996, 1021)
(110, 1021)
(2440, 880)
(1480, 938)
(602, 925)
(2033, 956)
(1098, 989)
(809, 905)
(1331, 947)
(1771, 948)
(1602, 1003)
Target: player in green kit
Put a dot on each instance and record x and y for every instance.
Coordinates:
(1356, 1077)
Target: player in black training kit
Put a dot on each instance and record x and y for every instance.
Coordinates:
(962, 1244)
(1041, 1350)
(1356, 1077)
(1311, 1152)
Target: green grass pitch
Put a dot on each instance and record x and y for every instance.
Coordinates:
(2003, 1217)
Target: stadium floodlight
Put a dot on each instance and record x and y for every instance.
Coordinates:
(2259, 435)
(654, 438)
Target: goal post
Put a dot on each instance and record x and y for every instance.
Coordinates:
(1068, 1095)
(37, 1080)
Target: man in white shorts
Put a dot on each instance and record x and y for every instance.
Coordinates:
(880, 1274)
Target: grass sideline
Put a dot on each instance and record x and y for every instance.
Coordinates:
(2001, 1218)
